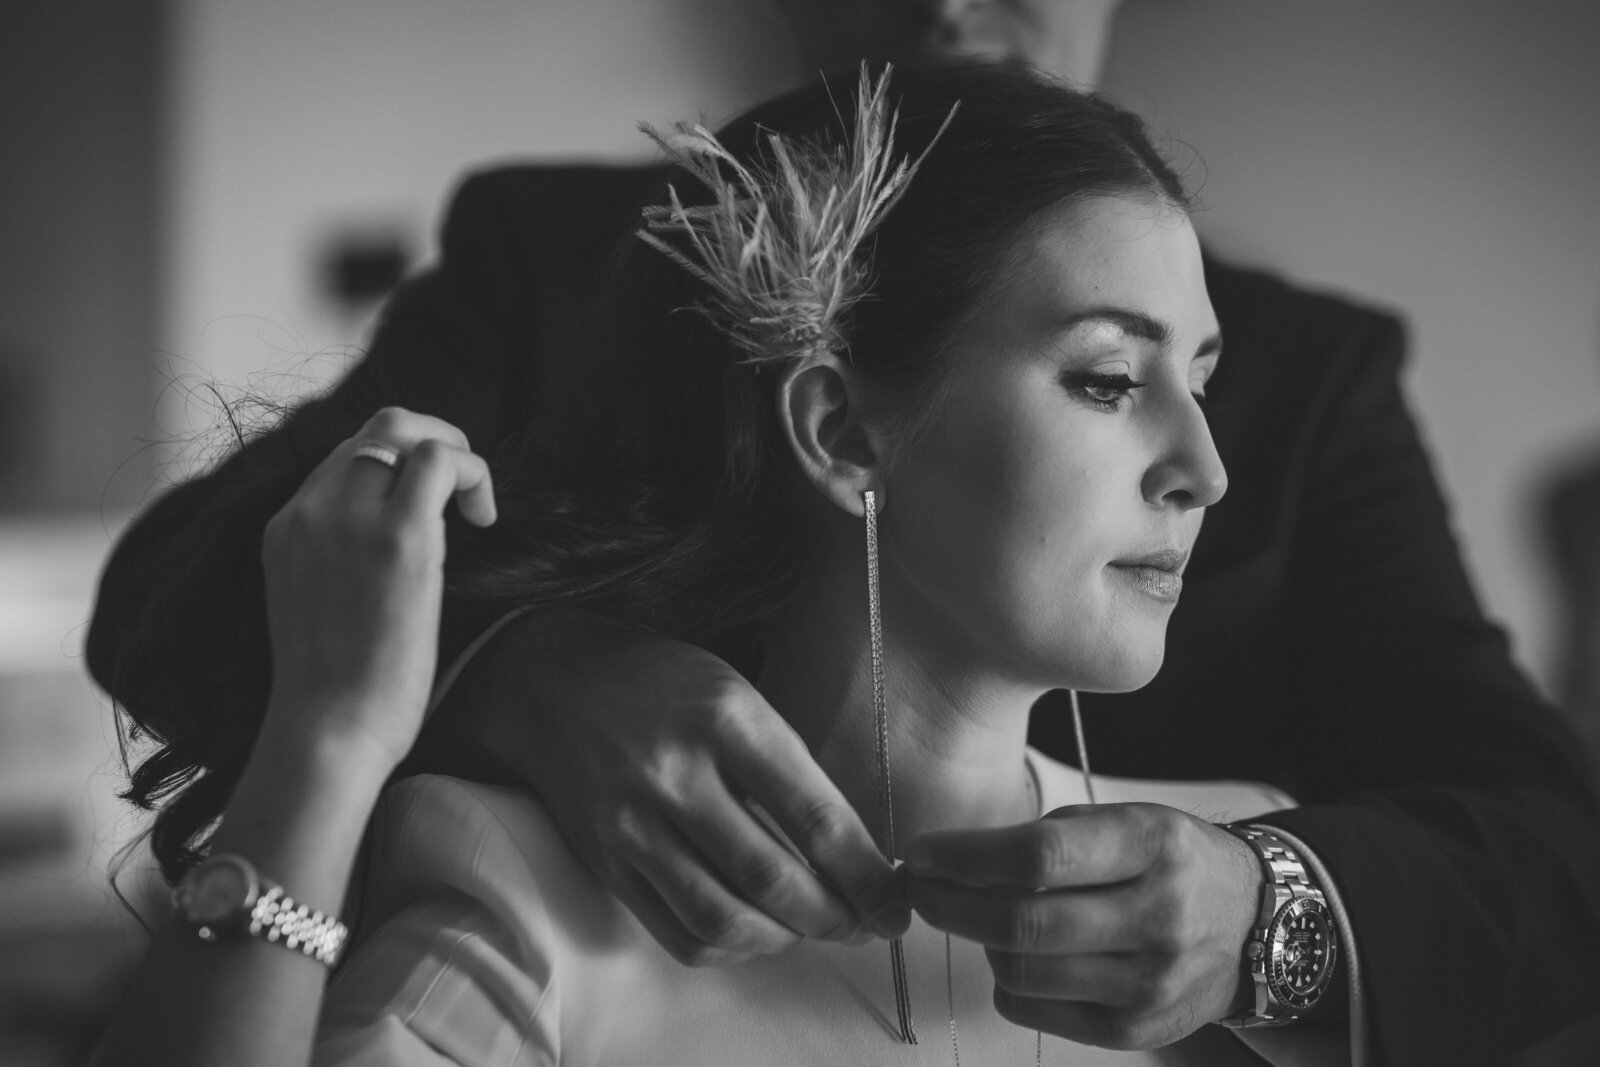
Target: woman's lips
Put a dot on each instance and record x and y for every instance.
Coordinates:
(1156, 574)
(1152, 581)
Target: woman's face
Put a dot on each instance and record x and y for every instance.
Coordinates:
(1042, 522)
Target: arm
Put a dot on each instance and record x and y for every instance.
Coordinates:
(1446, 797)
(448, 344)
(355, 571)
(522, 251)
(637, 741)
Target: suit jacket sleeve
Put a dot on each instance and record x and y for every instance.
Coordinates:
(1446, 797)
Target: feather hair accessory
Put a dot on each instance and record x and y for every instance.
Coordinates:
(779, 245)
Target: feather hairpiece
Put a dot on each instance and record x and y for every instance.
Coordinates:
(780, 245)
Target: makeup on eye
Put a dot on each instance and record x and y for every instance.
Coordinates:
(1102, 334)
(1105, 391)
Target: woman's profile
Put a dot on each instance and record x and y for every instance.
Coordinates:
(911, 503)
(1017, 396)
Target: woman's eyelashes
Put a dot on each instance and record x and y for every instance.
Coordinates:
(1104, 392)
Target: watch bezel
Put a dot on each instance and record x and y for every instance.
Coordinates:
(188, 896)
(1274, 970)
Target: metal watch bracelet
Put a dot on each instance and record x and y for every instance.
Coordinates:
(277, 917)
(1293, 947)
(225, 897)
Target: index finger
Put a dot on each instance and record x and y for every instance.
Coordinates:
(1080, 845)
(435, 471)
(775, 769)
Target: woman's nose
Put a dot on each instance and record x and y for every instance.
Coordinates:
(1188, 473)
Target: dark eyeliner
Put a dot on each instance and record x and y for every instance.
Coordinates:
(1085, 386)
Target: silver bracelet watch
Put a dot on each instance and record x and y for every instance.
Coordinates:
(225, 897)
(1294, 945)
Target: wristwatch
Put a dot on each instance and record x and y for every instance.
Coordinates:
(1294, 946)
(226, 898)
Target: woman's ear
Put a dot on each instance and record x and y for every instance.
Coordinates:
(822, 407)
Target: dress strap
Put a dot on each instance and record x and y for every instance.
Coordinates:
(447, 677)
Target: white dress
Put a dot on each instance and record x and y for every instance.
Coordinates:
(486, 941)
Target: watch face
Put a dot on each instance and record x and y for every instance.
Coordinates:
(217, 891)
(1301, 952)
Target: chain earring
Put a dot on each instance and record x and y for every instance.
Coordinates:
(880, 718)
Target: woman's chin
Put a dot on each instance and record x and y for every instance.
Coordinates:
(1124, 672)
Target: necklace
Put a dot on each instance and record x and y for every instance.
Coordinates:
(1038, 803)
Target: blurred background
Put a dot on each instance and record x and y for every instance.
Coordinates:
(203, 191)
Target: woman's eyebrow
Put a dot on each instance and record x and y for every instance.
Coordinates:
(1138, 324)
(1131, 322)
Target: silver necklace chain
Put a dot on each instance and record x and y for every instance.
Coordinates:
(1033, 786)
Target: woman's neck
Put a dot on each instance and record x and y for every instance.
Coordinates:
(957, 734)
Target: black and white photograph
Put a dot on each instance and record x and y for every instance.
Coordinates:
(827, 532)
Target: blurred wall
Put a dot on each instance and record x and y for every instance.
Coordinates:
(1438, 156)
(81, 152)
(300, 118)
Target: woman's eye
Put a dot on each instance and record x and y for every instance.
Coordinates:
(1104, 391)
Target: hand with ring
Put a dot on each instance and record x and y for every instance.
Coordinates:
(354, 582)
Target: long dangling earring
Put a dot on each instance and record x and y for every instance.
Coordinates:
(880, 718)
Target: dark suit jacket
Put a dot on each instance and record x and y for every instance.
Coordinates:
(1327, 641)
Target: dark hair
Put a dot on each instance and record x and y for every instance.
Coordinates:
(661, 492)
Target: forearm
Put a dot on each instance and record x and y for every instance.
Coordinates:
(298, 815)
(1496, 886)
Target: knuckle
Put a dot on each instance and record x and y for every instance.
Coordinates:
(1010, 971)
(1169, 835)
(1166, 992)
(1129, 1029)
(1155, 989)
(384, 541)
(402, 544)
(1164, 932)
(821, 827)
(275, 533)
(764, 880)
(387, 420)
(1025, 925)
(1050, 859)
(296, 524)
(1121, 1031)
(726, 703)
(716, 924)
(1007, 1007)
(621, 826)
(695, 954)
(663, 774)
(430, 450)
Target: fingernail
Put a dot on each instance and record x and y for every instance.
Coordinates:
(892, 919)
(892, 915)
(919, 855)
(845, 927)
